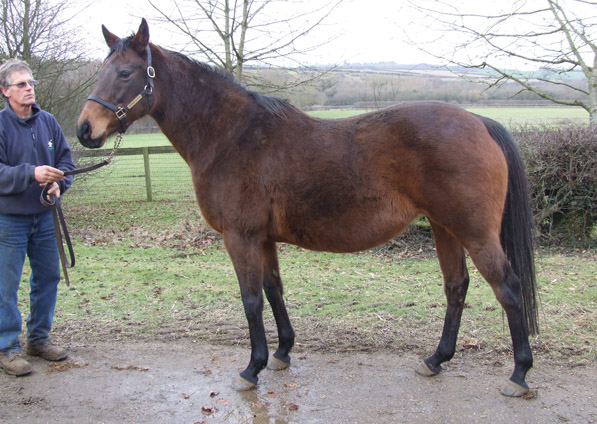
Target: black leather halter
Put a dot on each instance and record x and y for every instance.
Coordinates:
(122, 111)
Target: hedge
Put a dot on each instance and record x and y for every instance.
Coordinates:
(562, 172)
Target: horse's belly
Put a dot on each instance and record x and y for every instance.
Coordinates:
(354, 230)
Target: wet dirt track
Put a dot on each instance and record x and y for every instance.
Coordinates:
(186, 382)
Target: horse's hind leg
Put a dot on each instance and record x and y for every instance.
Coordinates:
(491, 261)
(452, 261)
(272, 285)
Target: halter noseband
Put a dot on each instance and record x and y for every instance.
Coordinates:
(122, 111)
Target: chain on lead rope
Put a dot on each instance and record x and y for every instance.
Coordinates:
(117, 142)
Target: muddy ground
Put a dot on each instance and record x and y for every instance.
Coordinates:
(189, 381)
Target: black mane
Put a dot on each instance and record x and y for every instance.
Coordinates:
(273, 105)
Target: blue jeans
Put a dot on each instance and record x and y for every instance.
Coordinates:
(32, 236)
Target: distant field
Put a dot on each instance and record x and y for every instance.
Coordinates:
(533, 115)
(506, 115)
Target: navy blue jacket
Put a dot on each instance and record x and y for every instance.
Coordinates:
(25, 144)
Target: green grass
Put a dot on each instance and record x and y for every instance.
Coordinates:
(149, 286)
(139, 140)
(125, 178)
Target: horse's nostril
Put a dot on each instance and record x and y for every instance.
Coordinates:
(84, 131)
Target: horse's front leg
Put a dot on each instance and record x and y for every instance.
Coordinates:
(248, 257)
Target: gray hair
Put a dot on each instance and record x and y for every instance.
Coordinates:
(8, 67)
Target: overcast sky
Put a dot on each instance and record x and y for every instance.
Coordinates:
(366, 30)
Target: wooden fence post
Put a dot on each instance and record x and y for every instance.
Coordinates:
(134, 151)
(147, 174)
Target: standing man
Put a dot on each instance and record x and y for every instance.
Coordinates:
(33, 152)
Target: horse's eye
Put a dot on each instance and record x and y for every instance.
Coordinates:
(124, 74)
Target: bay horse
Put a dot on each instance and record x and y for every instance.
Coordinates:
(264, 172)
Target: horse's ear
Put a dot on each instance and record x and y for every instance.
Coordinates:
(141, 38)
(109, 37)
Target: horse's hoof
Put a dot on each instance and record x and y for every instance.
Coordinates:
(276, 365)
(425, 371)
(242, 385)
(514, 390)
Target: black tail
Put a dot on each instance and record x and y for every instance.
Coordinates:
(517, 223)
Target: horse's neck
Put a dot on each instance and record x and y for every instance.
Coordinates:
(200, 120)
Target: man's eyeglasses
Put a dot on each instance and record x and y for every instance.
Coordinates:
(23, 84)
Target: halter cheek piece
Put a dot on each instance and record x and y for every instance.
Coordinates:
(122, 111)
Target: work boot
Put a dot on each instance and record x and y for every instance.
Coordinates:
(47, 350)
(14, 364)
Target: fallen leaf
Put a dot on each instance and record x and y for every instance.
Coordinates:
(129, 367)
(64, 366)
(293, 407)
(471, 343)
(208, 410)
(531, 394)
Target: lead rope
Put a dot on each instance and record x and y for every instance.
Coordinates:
(58, 215)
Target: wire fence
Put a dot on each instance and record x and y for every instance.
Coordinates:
(135, 174)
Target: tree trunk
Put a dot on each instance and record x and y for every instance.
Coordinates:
(593, 96)
(26, 29)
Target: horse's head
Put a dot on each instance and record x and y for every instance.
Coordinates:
(124, 91)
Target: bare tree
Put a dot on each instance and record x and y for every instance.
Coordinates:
(41, 33)
(232, 33)
(554, 37)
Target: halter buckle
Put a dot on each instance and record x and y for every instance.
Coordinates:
(121, 114)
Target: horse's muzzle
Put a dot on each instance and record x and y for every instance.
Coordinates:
(84, 131)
